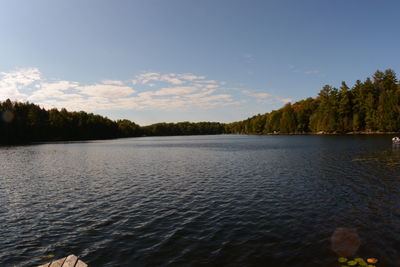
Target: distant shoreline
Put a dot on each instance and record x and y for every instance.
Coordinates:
(116, 138)
(334, 133)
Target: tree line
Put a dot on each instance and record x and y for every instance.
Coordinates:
(27, 122)
(369, 106)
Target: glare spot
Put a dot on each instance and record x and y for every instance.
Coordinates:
(345, 241)
(8, 116)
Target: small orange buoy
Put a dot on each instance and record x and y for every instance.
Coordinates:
(372, 260)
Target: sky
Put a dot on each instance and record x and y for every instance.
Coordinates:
(184, 60)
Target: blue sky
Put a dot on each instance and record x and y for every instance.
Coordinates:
(178, 60)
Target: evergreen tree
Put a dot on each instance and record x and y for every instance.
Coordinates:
(344, 109)
(368, 106)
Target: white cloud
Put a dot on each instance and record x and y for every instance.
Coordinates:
(149, 76)
(157, 77)
(60, 85)
(106, 90)
(190, 77)
(153, 91)
(170, 79)
(209, 81)
(285, 100)
(217, 97)
(256, 95)
(23, 76)
(211, 86)
(12, 83)
(113, 82)
(274, 100)
(265, 98)
(201, 94)
(175, 91)
(49, 90)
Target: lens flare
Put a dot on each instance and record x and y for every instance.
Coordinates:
(8, 116)
(345, 241)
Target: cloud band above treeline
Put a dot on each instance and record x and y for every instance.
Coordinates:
(146, 91)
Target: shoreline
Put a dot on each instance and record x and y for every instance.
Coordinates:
(334, 133)
(115, 138)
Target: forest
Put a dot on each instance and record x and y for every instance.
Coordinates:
(27, 122)
(371, 106)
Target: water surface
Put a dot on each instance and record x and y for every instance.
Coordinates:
(200, 200)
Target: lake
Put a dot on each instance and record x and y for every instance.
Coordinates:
(228, 200)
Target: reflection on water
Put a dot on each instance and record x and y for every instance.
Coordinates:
(206, 200)
(388, 157)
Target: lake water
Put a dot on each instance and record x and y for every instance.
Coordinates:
(228, 200)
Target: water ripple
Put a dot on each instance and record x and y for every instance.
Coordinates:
(201, 201)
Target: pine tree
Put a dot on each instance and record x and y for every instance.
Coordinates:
(344, 109)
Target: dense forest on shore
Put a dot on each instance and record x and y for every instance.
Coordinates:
(369, 106)
(27, 122)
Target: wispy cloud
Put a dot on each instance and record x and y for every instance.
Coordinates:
(311, 72)
(254, 94)
(113, 82)
(175, 91)
(105, 90)
(248, 57)
(265, 98)
(171, 78)
(304, 71)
